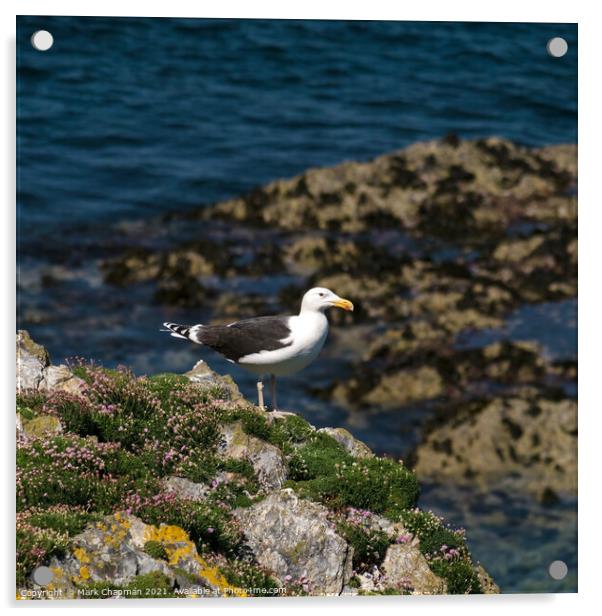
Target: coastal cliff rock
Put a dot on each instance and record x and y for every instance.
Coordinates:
(293, 537)
(167, 486)
(34, 370)
(405, 565)
(266, 459)
(112, 554)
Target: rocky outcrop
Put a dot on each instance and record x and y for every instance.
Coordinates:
(243, 505)
(266, 459)
(34, 370)
(356, 448)
(201, 374)
(405, 565)
(294, 537)
(186, 489)
(529, 441)
(115, 550)
(32, 361)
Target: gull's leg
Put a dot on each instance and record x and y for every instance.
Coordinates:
(273, 392)
(260, 393)
(275, 414)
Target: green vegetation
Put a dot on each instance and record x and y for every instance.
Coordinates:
(459, 574)
(431, 531)
(378, 484)
(116, 444)
(247, 575)
(156, 550)
(369, 546)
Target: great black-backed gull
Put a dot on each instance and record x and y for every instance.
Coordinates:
(277, 346)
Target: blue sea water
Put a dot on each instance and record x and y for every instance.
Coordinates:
(130, 117)
(125, 119)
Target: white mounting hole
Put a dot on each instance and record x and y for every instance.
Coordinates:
(558, 570)
(557, 47)
(42, 40)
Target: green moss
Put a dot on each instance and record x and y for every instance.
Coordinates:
(156, 550)
(30, 403)
(242, 467)
(25, 412)
(459, 574)
(320, 456)
(290, 431)
(369, 546)
(379, 485)
(256, 424)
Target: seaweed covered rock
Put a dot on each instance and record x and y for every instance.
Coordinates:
(531, 441)
(437, 187)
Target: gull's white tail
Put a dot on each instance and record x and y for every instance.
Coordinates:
(186, 332)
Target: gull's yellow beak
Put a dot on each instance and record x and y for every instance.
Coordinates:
(345, 304)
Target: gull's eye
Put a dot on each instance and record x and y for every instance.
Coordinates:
(321, 294)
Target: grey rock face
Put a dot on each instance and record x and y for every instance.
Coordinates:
(405, 566)
(186, 489)
(293, 537)
(267, 460)
(32, 361)
(203, 375)
(34, 370)
(356, 448)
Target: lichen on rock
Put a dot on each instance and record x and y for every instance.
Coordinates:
(172, 486)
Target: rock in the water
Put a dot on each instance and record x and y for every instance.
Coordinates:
(534, 440)
(356, 448)
(266, 459)
(293, 537)
(406, 567)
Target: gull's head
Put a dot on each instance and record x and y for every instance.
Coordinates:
(320, 299)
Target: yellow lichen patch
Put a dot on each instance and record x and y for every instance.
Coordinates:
(215, 578)
(167, 534)
(118, 530)
(81, 555)
(84, 572)
(180, 550)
